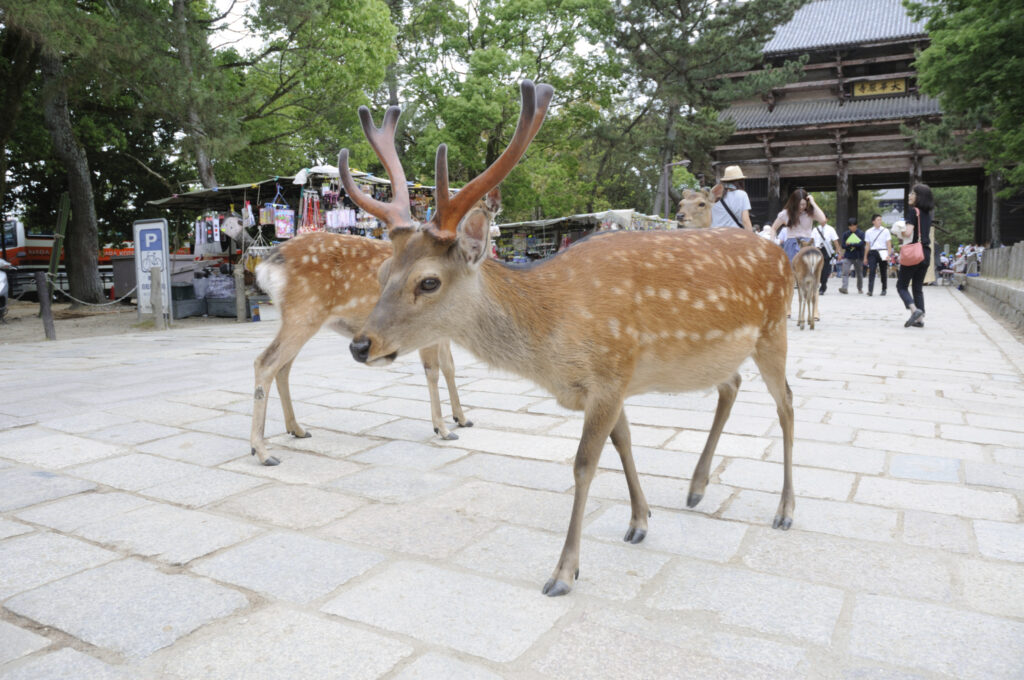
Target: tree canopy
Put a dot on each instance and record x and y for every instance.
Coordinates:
(973, 66)
(160, 97)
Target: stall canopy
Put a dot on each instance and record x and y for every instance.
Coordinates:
(220, 197)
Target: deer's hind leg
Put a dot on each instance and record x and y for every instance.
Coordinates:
(727, 392)
(269, 365)
(622, 441)
(444, 356)
(770, 358)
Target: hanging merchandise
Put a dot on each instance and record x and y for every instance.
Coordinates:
(247, 217)
(284, 222)
(309, 212)
(267, 214)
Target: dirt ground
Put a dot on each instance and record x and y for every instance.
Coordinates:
(22, 323)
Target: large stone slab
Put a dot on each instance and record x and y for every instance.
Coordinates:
(615, 572)
(128, 607)
(16, 642)
(134, 471)
(409, 455)
(65, 664)
(993, 587)
(856, 565)
(288, 566)
(69, 514)
(9, 528)
(770, 604)
(172, 534)
(472, 614)
(516, 505)
(295, 467)
(852, 520)
(1001, 540)
(410, 528)
(678, 533)
(202, 487)
(292, 506)
(198, 448)
(432, 665)
(764, 476)
(59, 451)
(279, 643)
(30, 561)
(938, 639)
(534, 474)
(932, 530)
(940, 498)
(394, 484)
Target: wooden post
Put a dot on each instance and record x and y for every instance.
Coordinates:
(240, 302)
(45, 311)
(156, 298)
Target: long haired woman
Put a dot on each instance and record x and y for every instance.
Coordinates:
(799, 216)
(919, 227)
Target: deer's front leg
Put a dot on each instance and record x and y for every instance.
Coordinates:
(597, 425)
(640, 510)
(444, 356)
(727, 392)
(429, 357)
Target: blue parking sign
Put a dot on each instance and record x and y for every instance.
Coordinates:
(151, 251)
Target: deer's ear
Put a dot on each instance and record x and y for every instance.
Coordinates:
(474, 236)
(493, 199)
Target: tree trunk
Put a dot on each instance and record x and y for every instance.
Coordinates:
(193, 123)
(81, 245)
(668, 149)
(21, 54)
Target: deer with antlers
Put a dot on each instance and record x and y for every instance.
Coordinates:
(610, 317)
(322, 279)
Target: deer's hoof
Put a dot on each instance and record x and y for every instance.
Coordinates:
(693, 499)
(634, 535)
(271, 461)
(451, 436)
(781, 522)
(306, 434)
(468, 423)
(555, 588)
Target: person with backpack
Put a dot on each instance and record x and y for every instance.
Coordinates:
(852, 241)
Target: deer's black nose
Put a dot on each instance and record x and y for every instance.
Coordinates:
(360, 348)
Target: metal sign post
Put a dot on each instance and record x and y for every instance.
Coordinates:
(151, 251)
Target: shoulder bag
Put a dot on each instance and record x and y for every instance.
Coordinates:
(728, 210)
(913, 253)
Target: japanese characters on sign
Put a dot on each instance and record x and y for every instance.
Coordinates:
(875, 88)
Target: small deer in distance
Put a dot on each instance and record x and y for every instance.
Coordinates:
(610, 317)
(322, 279)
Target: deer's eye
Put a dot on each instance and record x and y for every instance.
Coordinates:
(702, 205)
(429, 285)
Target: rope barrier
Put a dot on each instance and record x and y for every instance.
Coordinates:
(51, 279)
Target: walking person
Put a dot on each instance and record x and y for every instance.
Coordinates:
(799, 216)
(827, 241)
(918, 230)
(876, 255)
(853, 255)
(732, 204)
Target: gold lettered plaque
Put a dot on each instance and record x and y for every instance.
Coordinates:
(877, 88)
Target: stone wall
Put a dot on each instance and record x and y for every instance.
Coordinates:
(1000, 288)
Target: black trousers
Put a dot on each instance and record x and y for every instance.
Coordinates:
(877, 259)
(826, 269)
(913, 275)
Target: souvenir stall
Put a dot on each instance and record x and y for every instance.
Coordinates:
(539, 239)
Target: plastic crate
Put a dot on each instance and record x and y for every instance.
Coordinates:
(223, 307)
(183, 291)
(183, 308)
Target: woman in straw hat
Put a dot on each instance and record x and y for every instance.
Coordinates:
(732, 205)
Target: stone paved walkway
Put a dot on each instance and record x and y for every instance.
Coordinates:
(138, 539)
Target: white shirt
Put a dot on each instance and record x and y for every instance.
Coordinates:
(738, 201)
(829, 232)
(878, 238)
